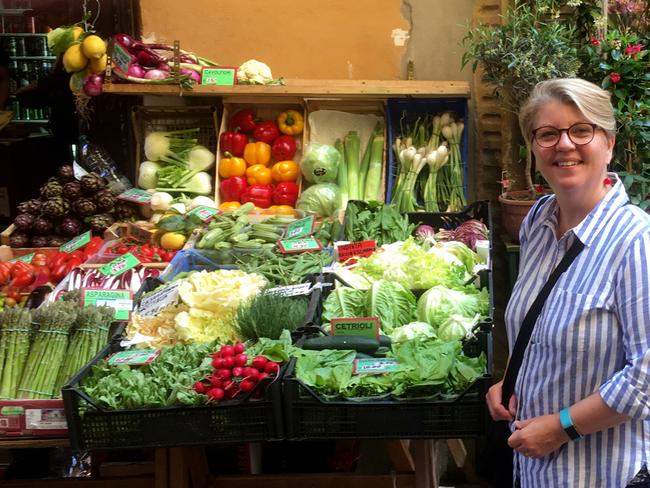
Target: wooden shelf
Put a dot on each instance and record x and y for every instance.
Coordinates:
(377, 89)
(26, 443)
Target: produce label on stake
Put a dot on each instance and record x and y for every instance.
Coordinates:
(290, 290)
(204, 213)
(375, 366)
(121, 58)
(120, 300)
(135, 195)
(76, 243)
(360, 327)
(159, 299)
(139, 357)
(27, 258)
(120, 265)
(301, 228)
(288, 246)
(223, 75)
(356, 249)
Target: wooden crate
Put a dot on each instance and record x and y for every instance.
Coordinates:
(266, 108)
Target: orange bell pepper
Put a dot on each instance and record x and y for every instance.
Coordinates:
(257, 153)
(258, 174)
(281, 210)
(285, 171)
(228, 206)
(232, 166)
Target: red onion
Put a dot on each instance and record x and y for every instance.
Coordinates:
(93, 85)
(163, 66)
(193, 74)
(148, 59)
(136, 71)
(156, 74)
(124, 40)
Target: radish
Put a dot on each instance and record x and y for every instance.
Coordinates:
(246, 385)
(216, 382)
(262, 376)
(227, 351)
(229, 362)
(223, 374)
(238, 371)
(250, 372)
(239, 348)
(271, 367)
(241, 359)
(216, 394)
(217, 362)
(259, 362)
(200, 388)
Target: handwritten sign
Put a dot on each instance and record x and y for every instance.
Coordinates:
(76, 243)
(301, 228)
(158, 300)
(375, 366)
(356, 249)
(120, 265)
(204, 213)
(138, 357)
(219, 76)
(135, 195)
(288, 246)
(290, 290)
(359, 326)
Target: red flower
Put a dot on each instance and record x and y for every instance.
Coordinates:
(633, 49)
(594, 41)
(615, 77)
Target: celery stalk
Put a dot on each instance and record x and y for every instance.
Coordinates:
(376, 159)
(351, 144)
(342, 175)
(365, 163)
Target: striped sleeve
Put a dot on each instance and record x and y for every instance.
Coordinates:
(628, 391)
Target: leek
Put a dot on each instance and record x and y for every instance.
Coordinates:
(373, 185)
(365, 163)
(342, 175)
(351, 146)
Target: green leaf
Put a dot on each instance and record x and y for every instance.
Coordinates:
(173, 224)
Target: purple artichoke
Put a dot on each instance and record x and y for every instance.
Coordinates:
(84, 207)
(39, 241)
(42, 226)
(71, 226)
(19, 239)
(65, 173)
(72, 191)
(24, 221)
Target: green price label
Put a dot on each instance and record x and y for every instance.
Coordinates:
(134, 358)
(218, 76)
(375, 366)
(135, 195)
(120, 300)
(360, 327)
(289, 246)
(204, 213)
(120, 265)
(300, 228)
(27, 258)
(76, 243)
(121, 58)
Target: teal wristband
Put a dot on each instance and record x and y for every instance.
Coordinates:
(567, 424)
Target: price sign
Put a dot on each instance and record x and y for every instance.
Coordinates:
(120, 300)
(135, 195)
(76, 243)
(290, 290)
(139, 357)
(375, 366)
(204, 213)
(222, 75)
(359, 326)
(27, 258)
(288, 246)
(356, 249)
(158, 300)
(301, 228)
(120, 265)
(121, 58)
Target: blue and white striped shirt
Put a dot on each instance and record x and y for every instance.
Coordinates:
(593, 334)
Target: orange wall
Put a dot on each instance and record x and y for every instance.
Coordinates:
(316, 39)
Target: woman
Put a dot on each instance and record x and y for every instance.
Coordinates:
(586, 370)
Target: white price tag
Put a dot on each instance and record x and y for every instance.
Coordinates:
(45, 419)
(158, 300)
(290, 290)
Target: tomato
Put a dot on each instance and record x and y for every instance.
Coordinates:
(13, 294)
(121, 249)
(39, 259)
(92, 247)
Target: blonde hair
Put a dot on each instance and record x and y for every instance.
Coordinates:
(591, 100)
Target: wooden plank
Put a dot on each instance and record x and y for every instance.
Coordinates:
(320, 480)
(400, 455)
(126, 469)
(178, 473)
(197, 465)
(22, 443)
(138, 89)
(458, 451)
(161, 467)
(141, 482)
(426, 475)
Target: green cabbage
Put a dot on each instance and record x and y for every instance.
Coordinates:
(320, 164)
(413, 331)
(439, 303)
(322, 199)
(456, 327)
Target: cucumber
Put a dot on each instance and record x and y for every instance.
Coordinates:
(365, 345)
(384, 341)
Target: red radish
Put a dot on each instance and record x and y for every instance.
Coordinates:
(228, 362)
(227, 351)
(259, 362)
(262, 376)
(217, 363)
(238, 371)
(228, 384)
(251, 372)
(216, 394)
(239, 348)
(216, 354)
(252, 378)
(241, 359)
(246, 385)
(271, 367)
(216, 382)
(199, 387)
(223, 373)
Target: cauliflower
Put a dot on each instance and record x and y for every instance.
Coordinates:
(254, 72)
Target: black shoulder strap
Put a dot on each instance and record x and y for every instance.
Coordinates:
(523, 338)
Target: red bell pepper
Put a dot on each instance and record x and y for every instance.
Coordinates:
(231, 188)
(244, 119)
(92, 247)
(233, 143)
(260, 195)
(285, 193)
(283, 148)
(266, 131)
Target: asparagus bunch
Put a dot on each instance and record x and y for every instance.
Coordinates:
(14, 348)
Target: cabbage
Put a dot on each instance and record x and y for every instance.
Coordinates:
(344, 302)
(200, 326)
(320, 164)
(456, 327)
(436, 305)
(392, 303)
(413, 331)
(468, 257)
(322, 199)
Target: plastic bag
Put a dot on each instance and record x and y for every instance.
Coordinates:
(320, 163)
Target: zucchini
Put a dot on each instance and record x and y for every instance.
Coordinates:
(385, 341)
(364, 345)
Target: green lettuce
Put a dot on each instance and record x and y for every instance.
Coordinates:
(344, 302)
(392, 303)
(456, 327)
(439, 303)
(411, 331)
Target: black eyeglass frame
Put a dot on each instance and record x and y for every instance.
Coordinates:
(567, 130)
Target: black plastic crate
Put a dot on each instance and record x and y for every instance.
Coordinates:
(230, 421)
(308, 416)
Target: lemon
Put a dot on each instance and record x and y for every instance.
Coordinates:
(97, 66)
(77, 30)
(93, 47)
(74, 59)
(172, 241)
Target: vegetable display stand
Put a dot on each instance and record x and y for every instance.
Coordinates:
(232, 421)
(308, 416)
(5, 240)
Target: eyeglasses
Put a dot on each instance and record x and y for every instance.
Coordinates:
(580, 134)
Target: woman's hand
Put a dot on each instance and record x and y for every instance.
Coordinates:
(493, 400)
(539, 436)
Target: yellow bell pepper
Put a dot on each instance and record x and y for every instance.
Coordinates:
(258, 174)
(232, 166)
(281, 210)
(291, 122)
(257, 153)
(229, 206)
(285, 171)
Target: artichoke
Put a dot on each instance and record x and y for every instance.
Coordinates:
(72, 191)
(100, 222)
(71, 226)
(124, 211)
(92, 183)
(32, 207)
(55, 207)
(24, 221)
(84, 207)
(23, 207)
(42, 226)
(52, 189)
(105, 200)
(19, 239)
(56, 241)
(39, 241)
(65, 173)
